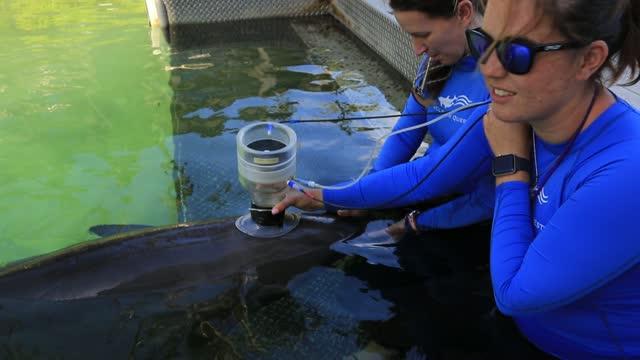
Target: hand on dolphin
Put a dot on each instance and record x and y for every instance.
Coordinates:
(310, 199)
(396, 230)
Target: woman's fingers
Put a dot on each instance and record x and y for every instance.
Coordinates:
(507, 138)
(290, 199)
(310, 200)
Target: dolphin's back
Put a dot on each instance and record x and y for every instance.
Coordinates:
(162, 258)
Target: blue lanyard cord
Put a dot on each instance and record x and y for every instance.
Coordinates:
(540, 181)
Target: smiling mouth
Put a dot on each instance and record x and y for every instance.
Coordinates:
(502, 92)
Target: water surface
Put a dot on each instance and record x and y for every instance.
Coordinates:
(84, 123)
(104, 122)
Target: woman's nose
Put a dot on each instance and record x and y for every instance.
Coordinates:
(490, 65)
(419, 47)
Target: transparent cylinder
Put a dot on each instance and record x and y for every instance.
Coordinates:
(266, 160)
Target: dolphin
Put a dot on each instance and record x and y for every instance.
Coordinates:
(196, 290)
(207, 291)
(157, 258)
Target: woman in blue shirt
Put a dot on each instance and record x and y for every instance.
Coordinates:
(565, 259)
(447, 78)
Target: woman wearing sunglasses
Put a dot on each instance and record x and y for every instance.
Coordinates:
(565, 256)
(565, 153)
(447, 78)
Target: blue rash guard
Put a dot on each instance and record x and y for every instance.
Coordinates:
(571, 278)
(443, 171)
(464, 86)
(568, 270)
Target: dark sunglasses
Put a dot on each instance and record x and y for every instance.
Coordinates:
(515, 54)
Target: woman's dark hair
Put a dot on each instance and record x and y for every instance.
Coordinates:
(435, 8)
(617, 22)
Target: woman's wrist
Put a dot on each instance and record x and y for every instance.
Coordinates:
(318, 196)
(522, 176)
(411, 222)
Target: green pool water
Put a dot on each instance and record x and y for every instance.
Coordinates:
(84, 123)
(104, 122)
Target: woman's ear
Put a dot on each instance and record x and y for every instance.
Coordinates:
(593, 57)
(465, 12)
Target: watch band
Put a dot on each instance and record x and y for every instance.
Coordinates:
(509, 164)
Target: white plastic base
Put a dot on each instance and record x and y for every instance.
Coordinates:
(249, 227)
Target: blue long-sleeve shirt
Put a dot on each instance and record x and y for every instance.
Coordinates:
(453, 167)
(568, 270)
(464, 86)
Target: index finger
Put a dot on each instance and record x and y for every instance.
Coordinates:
(284, 204)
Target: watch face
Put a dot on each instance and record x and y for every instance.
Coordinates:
(504, 165)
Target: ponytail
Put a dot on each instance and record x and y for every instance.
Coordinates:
(629, 54)
(617, 22)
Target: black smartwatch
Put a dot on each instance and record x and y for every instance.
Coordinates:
(509, 164)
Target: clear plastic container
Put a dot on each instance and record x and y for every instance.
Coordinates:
(266, 160)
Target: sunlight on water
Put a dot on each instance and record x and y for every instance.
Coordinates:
(85, 123)
(103, 122)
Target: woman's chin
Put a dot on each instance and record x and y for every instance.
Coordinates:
(507, 114)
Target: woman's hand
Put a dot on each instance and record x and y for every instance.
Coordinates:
(508, 138)
(396, 230)
(311, 201)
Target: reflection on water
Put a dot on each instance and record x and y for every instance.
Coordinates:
(269, 70)
(375, 245)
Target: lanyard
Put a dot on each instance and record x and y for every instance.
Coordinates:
(541, 180)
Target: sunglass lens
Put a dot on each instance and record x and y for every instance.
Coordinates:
(516, 58)
(478, 43)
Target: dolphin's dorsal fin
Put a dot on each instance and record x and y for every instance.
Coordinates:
(113, 229)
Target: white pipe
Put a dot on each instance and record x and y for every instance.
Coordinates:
(157, 14)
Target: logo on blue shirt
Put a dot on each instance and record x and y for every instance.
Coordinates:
(542, 197)
(448, 102)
